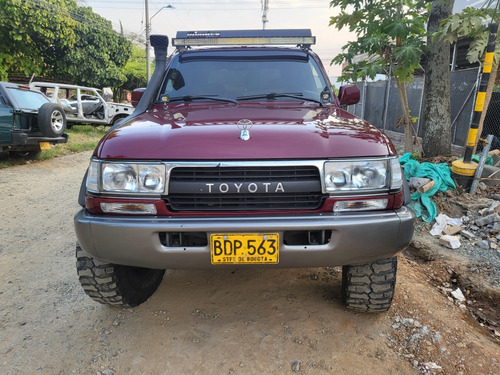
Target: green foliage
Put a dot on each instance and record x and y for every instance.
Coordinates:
(390, 39)
(471, 22)
(99, 54)
(58, 38)
(135, 68)
(81, 138)
(31, 31)
(389, 33)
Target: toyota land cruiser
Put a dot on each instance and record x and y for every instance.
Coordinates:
(239, 154)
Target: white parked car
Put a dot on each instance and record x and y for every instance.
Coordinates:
(83, 105)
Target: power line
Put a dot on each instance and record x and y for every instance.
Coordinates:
(215, 5)
(45, 5)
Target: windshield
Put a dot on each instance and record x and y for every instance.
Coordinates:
(244, 78)
(27, 99)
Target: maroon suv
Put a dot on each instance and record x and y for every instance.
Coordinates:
(239, 154)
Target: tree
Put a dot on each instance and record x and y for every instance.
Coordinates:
(58, 38)
(98, 55)
(32, 32)
(135, 69)
(471, 22)
(474, 23)
(436, 109)
(390, 34)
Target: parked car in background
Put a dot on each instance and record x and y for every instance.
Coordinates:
(83, 105)
(29, 122)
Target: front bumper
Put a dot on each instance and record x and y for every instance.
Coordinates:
(356, 238)
(22, 138)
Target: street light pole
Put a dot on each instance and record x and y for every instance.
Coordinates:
(265, 7)
(148, 34)
(148, 30)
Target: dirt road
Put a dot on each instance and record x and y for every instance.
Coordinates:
(205, 322)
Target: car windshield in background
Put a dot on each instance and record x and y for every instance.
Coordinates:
(27, 99)
(251, 78)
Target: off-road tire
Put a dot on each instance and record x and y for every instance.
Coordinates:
(113, 284)
(51, 120)
(369, 287)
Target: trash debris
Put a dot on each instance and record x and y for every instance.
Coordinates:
(416, 182)
(451, 230)
(432, 366)
(442, 222)
(489, 219)
(425, 188)
(453, 242)
(458, 295)
(440, 174)
(495, 207)
(467, 234)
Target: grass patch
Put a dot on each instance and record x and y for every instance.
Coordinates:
(81, 138)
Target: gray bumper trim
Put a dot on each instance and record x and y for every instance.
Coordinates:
(356, 238)
(19, 138)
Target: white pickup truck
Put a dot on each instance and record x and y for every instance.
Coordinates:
(83, 105)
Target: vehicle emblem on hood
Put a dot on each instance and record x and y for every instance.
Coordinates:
(245, 125)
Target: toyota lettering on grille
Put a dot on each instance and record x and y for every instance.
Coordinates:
(243, 188)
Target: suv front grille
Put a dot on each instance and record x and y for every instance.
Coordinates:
(244, 188)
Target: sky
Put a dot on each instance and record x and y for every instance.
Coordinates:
(195, 15)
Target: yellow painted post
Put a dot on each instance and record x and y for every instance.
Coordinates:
(464, 170)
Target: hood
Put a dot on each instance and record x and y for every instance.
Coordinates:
(226, 131)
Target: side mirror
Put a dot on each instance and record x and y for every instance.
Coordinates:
(136, 96)
(349, 95)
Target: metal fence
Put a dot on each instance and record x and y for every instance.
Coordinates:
(491, 123)
(380, 105)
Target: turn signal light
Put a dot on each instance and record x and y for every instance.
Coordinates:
(360, 205)
(129, 208)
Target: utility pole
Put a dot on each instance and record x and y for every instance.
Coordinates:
(148, 31)
(265, 7)
(148, 35)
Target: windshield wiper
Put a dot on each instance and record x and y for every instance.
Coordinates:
(273, 95)
(190, 98)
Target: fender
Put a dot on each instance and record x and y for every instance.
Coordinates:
(81, 194)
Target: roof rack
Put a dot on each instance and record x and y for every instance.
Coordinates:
(300, 37)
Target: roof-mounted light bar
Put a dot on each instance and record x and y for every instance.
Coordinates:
(244, 37)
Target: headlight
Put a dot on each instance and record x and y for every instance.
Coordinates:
(126, 178)
(120, 178)
(345, 176)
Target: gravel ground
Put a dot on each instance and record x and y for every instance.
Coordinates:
(481, 253)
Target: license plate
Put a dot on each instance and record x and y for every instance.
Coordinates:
(244, 248)
(44, 146)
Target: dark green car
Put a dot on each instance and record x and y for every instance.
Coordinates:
(29, 122)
